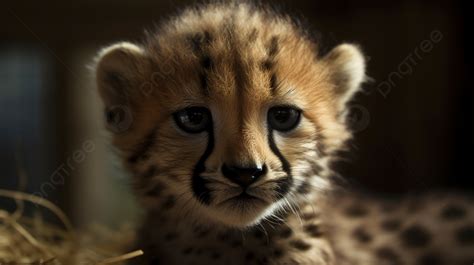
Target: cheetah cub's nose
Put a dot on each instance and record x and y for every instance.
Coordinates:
(244, 176)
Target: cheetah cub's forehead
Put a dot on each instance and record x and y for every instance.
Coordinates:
(229, 107)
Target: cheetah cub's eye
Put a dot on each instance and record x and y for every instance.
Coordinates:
(193, 119)
(282, 118)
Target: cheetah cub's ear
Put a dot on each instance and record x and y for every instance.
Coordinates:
(346, 65)
(120, 74)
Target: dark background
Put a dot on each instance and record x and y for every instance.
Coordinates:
(419, 136)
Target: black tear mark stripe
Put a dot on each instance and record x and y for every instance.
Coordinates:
(201, 192)
(143, 148)
(284, 184)
(282, 187)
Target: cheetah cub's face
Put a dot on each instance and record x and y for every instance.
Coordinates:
(229, 120)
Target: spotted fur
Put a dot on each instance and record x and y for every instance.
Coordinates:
(238, 62)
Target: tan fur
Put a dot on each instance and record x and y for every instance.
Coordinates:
(238, 62)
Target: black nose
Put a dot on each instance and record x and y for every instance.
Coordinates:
(244, 176)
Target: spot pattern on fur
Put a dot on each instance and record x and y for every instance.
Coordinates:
(155, 191)
(391, 225)
(285, 232)
(313, 230)
(356, 211)
(415, 236)
(387, 254)
(300, 244)
(429, 259)
(465, 235)
(453, 212)
(362, 235)
(141, 150)
(278, 253)
(169, 202)
(150, 172)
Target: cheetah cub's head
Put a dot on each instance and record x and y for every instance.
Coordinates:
(227, 115)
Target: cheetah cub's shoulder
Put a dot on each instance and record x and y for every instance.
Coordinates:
(228, 116)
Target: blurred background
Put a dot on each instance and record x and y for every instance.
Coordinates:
(413, 124)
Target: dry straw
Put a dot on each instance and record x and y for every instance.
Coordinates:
(30, 240)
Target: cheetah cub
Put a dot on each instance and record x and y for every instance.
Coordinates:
(228, 116)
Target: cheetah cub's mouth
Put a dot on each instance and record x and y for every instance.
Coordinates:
(248, 198)
(245, 206)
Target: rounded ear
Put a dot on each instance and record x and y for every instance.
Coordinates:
(346, 66)
(120, 72)
(119, 68)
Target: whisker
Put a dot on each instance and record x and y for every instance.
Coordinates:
(298, 209)
(266, 234)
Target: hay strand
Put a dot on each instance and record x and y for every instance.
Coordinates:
(42, 202)
(35, 247)
(127, 256)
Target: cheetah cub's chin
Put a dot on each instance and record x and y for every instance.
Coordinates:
(240, 211)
